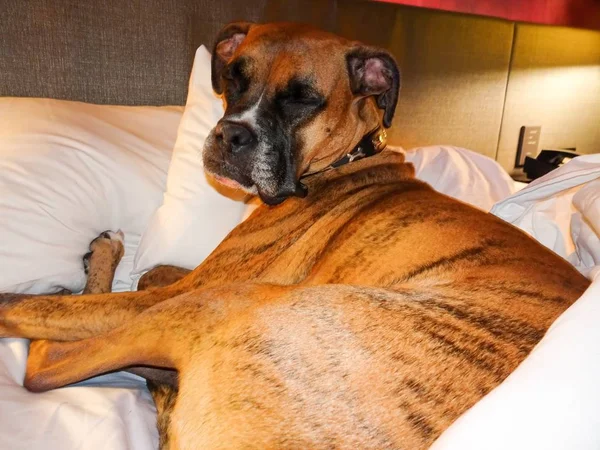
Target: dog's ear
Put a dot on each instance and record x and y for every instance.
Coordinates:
(228, 40)
(374, 72)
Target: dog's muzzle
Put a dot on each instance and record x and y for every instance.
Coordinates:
(236, 136)
(253, 158)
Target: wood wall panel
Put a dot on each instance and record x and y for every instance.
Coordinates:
(454, 72)
(554, 82)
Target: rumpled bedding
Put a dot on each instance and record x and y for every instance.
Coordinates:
(555, 390)
(552, 400)
(562, 211)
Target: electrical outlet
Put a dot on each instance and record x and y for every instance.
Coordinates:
(529, 141)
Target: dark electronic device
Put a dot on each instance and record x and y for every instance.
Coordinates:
(546, 161)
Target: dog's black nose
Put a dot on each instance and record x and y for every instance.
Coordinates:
(237, 135)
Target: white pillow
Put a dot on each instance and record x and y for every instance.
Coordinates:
(69, 171)
(461, 174)
(194, 218)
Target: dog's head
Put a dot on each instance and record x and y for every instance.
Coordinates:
(296, 100)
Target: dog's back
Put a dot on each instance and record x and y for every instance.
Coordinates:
(410, 307)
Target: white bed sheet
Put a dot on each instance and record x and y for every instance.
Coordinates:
(112, 412)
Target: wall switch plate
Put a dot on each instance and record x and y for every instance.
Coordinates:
(529, 141)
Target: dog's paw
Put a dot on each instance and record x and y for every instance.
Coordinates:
(115, 236)
(113, 240)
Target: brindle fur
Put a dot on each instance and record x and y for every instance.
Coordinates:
(164, 399)
(370, 314)
(161, 276)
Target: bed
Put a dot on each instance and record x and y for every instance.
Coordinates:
(70, 170)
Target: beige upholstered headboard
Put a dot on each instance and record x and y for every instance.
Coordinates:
(467, 81)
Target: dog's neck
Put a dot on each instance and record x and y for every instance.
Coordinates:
(372, 143)
(387, 166)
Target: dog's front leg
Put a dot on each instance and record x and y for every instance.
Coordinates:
(72, 317)
(28, 316)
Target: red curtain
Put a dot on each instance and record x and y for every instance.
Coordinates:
(574, 13)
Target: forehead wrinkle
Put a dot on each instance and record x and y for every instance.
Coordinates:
(288, 68)
(282, 68)
(278, 59)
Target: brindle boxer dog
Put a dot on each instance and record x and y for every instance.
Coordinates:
(369, 314)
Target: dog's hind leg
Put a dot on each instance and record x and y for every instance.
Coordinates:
(161, 276)
(269, 364)
(158, 337)
(147, 340)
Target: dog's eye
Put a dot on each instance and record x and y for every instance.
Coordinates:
(302, 100)
(299, 107)
(232, 80)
